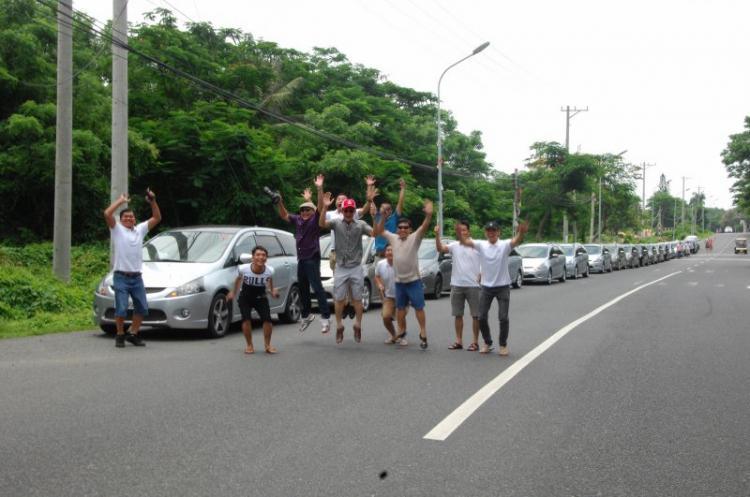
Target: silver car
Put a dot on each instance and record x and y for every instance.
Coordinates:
(515, 269)
(369, 297)
(189, 271)
(600, 259)
(542, 262)
(617, 252)
(435, 268)
(576, 260)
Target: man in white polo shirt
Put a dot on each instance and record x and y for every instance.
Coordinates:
(127, 239)
(493, 262)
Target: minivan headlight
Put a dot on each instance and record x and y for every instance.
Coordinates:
(191, 288)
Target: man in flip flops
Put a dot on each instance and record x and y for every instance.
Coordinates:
(464, 285)
(254, 278)
(405, 245)
(493, 262)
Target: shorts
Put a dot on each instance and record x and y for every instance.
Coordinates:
(388, 308)
(332, 260)
(462, 294)
(260, 303)
(410, 292)
(354, 277)
(129, 286)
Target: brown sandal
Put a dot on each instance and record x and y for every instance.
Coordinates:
(339, 334)
(473, 347)
(357, 333)
(271, 350)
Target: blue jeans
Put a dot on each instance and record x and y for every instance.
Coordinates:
(308, 275)
(502, 294)
(124, 286)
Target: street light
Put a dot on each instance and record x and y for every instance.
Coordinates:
(440, 135)
(643, 168)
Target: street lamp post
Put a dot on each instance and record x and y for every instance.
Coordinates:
(440, 135)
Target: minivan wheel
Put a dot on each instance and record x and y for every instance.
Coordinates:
(366, 296)
(438, 290)
(293, 307)
(575, 274)
(519, 280)
(564, 276)
(218, 316)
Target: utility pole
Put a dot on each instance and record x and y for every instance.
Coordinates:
(568, 117)
(591, 230)
(599, 234)
(119, 103)
(64, 142)
(515, 201)
(644, 166)
(682, 217)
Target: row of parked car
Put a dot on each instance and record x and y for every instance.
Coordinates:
(547, 262)
(189, 271)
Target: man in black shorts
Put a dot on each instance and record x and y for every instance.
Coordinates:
(254, 278)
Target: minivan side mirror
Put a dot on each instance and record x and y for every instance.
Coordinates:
(245, 258)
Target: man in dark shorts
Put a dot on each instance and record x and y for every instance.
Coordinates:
(254, 278)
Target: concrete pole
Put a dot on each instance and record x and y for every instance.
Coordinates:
(64, 143)
(599, 234)
(591, 230)
(119, 103)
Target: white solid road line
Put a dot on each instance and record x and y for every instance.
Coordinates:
(455, 419)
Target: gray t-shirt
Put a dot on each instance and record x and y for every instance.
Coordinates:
(349, 241)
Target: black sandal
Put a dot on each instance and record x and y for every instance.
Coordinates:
(423, 343)
(400, 337)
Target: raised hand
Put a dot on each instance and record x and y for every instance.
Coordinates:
(429, 208)
(327, 200)
(402, 182)
(437, 230)
(319, 181)
(370, 180)
(307, 195)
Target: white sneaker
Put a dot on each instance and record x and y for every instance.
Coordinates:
(305, 322)
(325, 325)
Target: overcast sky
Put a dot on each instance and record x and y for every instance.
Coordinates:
(666, 80)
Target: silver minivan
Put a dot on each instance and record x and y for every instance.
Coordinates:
(542, 262)
(189, 271)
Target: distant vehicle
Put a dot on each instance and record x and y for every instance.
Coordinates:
(740, 245)
(619, 259)
(189, 271)
(632, 255)
(577, 260)
(435, 268)
(600, 259)
(543, 262)
(515, 268)
(728, 229)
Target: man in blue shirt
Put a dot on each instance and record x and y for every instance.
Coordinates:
(391, 221)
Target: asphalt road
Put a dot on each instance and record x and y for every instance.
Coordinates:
(631, 383)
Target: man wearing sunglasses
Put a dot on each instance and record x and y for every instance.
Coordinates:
(308, 260)
(493, 263)
(391, 221)
(348, 270)
(406, 268)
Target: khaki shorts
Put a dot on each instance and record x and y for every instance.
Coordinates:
(462, 294)
(388, 309)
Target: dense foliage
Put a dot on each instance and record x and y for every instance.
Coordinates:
(736, 158)
(207, 154)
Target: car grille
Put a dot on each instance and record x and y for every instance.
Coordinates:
(152, 316)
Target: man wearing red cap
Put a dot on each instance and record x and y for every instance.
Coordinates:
(348, 270)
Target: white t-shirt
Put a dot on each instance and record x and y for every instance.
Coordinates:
(465, 265)
(385, 272)
(493, 260)
(254, 284)
(128, 245)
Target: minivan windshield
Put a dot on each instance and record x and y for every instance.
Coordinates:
(532, 251)
(187, 246)
(593, 249)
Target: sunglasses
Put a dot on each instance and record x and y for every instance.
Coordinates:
(305, 209)
(348, 211)
(403, 227)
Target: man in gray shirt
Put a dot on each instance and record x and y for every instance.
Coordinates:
(348, 270)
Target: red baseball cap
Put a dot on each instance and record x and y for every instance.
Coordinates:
(349, 204)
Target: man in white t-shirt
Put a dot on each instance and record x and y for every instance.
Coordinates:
(493, 262)
(385, 279)
(464, 285)
(127, 240)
